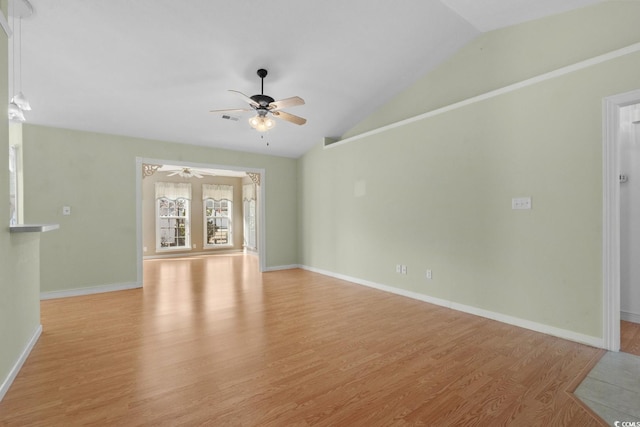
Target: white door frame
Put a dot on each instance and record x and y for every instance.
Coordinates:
(611, 215)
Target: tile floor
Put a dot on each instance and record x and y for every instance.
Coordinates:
(612, 388)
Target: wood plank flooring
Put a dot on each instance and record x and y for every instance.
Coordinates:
(630, 337)
(211, 341)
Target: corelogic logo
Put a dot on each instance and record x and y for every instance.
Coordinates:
(626, 423)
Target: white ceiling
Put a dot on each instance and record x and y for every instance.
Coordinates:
(154, 68)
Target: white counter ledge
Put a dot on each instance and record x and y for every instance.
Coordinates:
(33, 228)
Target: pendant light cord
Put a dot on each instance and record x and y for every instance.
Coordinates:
(13, 56)
(20, 54)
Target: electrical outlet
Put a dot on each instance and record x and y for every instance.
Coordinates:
(429, 275)
(66, 210)
(521, 203)
(404, 269)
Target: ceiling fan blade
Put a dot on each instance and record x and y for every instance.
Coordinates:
(173, 173)
(289, 117)
(230, 110)
(196, 174)
(246, 98)
(285, 103)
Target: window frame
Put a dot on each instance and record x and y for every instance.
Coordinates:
(187, 225)
(206, 218)
(250, 221)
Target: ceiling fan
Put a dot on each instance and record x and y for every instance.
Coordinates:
(264, 104)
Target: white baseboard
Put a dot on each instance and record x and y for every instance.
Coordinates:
(282, 267)
(630, 317)
(515, 321)
(89, 291)
(13, 373)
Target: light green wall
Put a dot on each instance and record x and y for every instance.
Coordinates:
(438, 191)
(95, 174)
(19, 280)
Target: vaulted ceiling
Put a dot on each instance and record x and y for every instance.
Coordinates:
(154, 68)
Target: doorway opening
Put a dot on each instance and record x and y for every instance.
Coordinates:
(615, 109)
(630, 229)
(214, 221)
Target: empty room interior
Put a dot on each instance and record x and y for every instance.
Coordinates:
(330, 213)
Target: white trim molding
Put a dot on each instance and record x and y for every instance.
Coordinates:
(332, 143)
(515, 321)
(89, 291)
(13, 373)
(6, 27)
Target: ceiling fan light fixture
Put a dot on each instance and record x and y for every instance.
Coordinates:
(262, 123)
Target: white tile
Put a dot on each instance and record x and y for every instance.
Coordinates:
(610, 395)
(610, 415)
(620, 369)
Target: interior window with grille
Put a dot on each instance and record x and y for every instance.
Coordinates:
(218, 204)
(172, 216)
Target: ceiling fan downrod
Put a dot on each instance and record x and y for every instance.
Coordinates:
(262, 73)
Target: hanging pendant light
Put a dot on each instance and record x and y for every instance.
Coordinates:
(20, 99)
(19, 103)
(15, 113)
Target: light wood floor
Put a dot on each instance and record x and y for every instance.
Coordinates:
(211, 341)
(630, 337)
